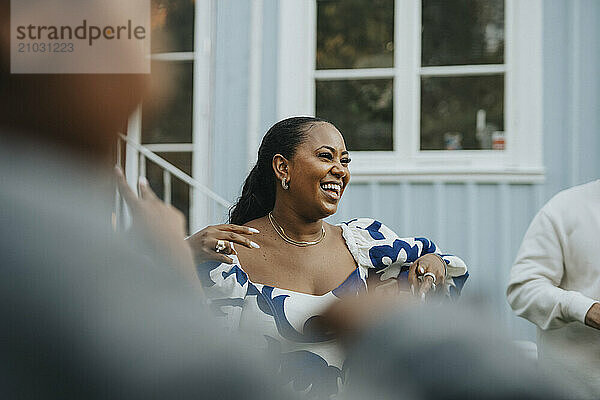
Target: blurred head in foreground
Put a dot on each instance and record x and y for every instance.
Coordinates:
(85, 313)
(445, 353)
(81, 112)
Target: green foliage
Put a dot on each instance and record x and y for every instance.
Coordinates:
(355, 33)
(168, 119)
(361, 110)
(451, 104)
(462, 32)
(172, 25)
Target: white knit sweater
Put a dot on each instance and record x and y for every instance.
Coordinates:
(556, 279)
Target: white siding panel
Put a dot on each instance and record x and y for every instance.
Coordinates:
(456, 233)
(422, 210)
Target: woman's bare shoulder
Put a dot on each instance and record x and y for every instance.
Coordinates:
(257, 223)
(336, 230)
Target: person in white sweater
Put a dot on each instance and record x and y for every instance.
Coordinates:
(555, 283)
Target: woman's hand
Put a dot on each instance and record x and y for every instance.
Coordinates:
(426, 273)
(215, 242)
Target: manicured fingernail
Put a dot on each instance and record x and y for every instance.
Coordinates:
(253, 230)
(412, 289)
(143, 181)
(421, 270)
(255, 245)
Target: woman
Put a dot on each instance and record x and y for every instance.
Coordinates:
(289, 265)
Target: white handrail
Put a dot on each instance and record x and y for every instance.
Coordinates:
(167, 186)
(164, 164)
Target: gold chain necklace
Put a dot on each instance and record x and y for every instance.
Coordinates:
(288, 239)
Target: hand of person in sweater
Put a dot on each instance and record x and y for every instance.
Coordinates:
(592, 318)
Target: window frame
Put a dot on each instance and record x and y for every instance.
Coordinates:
(202, 59)
(522, 158)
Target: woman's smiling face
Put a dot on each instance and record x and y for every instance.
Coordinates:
(318, 171)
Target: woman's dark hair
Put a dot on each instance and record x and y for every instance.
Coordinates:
(258, 193)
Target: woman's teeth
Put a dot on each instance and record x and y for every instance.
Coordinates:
(332, 186)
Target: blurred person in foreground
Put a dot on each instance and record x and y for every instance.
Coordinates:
(86, 313)
(289, 265)
(447, 352)
(555, 284)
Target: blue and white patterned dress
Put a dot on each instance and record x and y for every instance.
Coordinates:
(286, 323)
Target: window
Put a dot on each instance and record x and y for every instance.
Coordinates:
(176, 125)
(462, 108)
(443, 87)
(355, 38)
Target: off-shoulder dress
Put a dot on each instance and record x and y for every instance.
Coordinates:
(286, 323)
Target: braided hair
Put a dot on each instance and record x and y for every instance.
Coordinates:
(258, 192)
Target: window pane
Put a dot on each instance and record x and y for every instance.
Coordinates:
(460, 32)
(360, 109)
(182, 160)
(450, 108)
(168, 119)
(172, 25)
(355, 33)
(180, 192)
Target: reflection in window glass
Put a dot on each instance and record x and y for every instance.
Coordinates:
(180, 192)
(172, 26)
(462, 112)
(360, 109)
(462, 32)
(355, 33)
(168, 119)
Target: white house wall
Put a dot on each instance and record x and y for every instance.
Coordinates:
(230, 97)
(481, 222)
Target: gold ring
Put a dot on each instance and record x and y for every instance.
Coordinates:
(431, 274)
